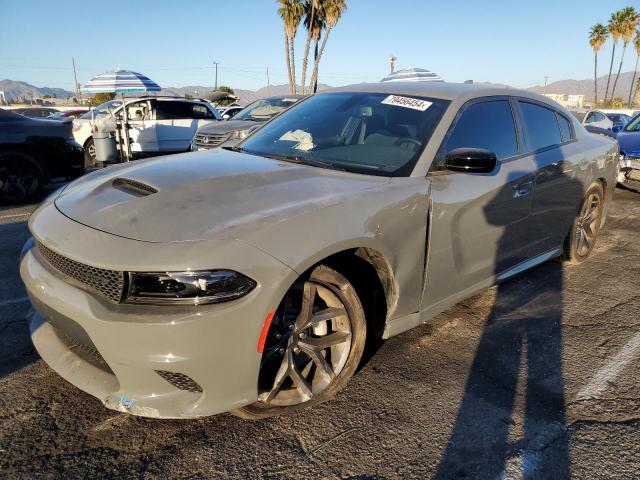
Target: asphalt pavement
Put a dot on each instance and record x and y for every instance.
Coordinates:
(536, 378)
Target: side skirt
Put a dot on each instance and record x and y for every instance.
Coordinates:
(407, 322)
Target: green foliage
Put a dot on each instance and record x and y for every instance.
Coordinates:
(100, 98)
(617, 103)
(228, 90)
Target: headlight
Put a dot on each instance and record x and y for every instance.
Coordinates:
(241, 133)
(193, 288)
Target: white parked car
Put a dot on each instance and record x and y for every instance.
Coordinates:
(156, 124)
(613, 120)
(230, 112)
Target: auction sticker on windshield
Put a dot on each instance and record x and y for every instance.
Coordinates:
(407, 102)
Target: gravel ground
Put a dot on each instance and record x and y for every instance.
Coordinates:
(536, 378)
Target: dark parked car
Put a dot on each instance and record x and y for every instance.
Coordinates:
(36, 112)
(32, 151)
(230, 133)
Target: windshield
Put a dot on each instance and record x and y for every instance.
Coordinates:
(372, 133)
(265, 109)
(633, 125)
(618, 117)
(102, 109)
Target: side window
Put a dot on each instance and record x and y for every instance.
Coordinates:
(590, 118)
(541, 125)
(565, 127)
(487, 125)
(200, 111)
(138, 111)
(168, 110)
(599, 117)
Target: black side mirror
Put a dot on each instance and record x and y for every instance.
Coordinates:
(470, 160)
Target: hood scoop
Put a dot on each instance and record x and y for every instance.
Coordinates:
(133, 187)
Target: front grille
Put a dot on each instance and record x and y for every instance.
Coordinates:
(180, 380)
(211, 140)
(109, 283)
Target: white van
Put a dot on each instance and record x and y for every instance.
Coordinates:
(156, 124)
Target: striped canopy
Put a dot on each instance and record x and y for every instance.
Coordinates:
(412, 75)
(120, 81)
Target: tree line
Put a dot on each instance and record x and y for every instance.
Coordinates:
(623, 25)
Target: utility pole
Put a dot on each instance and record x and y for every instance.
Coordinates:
(216, 64)
(546, 78)
(75, 80)
(268, 82)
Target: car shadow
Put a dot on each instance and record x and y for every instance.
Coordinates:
(16, 349)
(512, 412)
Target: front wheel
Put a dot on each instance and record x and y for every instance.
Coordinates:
(585, 228)
(313, 346)
(21, 178)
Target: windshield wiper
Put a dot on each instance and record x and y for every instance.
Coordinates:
(304, 161)
(234, 148)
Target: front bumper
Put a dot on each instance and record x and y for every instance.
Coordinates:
(115, 351)
(629, 163)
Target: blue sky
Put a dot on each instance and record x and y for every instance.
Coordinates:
(175, 43)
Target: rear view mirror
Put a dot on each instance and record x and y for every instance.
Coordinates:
(226, 117)
(470, 160)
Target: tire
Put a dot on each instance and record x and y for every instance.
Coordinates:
(585, 228)
(294, 376)
(21, 178)
(89, 153)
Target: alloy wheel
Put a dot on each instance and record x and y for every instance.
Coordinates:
(588, 224)
(308, 345)
(17, 186)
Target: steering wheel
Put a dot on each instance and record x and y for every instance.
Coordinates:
(408, 141)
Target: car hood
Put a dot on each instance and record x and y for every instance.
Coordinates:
(629, 142)
(228, 126)
(205, 195)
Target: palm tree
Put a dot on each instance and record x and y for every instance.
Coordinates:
(316, 29)
(636, 44)
(597, 36)
(311, 8)
(291, 12)
(614, 27)
(629, 23)
(332, 10)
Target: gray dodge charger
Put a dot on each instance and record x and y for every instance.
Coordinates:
(250, 279)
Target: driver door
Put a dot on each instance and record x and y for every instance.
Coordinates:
(142, 128)
(479, 221)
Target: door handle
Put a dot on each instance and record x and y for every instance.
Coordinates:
(522, 189)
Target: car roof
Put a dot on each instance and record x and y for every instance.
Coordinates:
(441, 90)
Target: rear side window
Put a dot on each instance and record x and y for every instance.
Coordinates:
(488, 125)
(541, 125)
(200, 111)
(181, 110)
(565, 128)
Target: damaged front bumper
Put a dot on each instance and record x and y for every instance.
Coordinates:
(628, 167)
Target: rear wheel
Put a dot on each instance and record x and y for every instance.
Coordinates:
(21, 178)
(313, 346)
(89, 153)
(585, 228)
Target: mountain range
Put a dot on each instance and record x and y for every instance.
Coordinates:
(15, 89)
